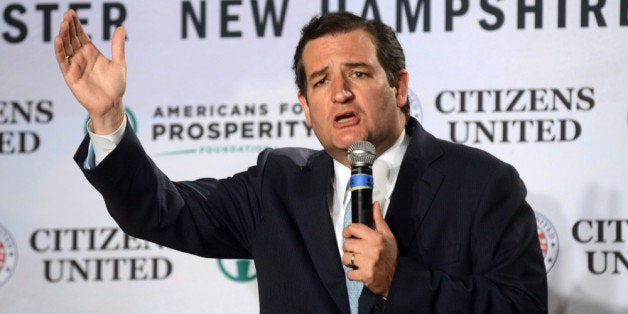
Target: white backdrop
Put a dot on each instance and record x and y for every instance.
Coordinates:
(543, 88)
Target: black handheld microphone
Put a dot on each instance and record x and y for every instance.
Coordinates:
(361, 155)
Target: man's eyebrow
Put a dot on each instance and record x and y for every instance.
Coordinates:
(352, 65)
(318, 73)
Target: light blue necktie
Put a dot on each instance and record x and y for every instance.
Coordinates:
(354, 288)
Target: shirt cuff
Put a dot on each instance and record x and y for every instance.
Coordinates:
(102, 145)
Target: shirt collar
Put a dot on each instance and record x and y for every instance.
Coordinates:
(392, 157)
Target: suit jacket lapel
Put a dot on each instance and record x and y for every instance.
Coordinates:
(314, 221)
(416, 186)
(415, 189)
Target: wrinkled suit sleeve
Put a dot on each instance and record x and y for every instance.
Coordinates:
(206, 217)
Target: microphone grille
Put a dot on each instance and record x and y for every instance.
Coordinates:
(361, 153)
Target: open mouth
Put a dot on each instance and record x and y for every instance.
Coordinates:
(344, 118)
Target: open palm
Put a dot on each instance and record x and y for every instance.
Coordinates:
(97, 82)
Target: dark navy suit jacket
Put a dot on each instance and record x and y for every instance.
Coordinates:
(467, 238)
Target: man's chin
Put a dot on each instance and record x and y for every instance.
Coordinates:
(345, 142)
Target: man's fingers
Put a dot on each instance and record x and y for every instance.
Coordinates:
(117, 45)
(349, 259)
(79, 34)
(374, 253)
(380, 224)
(356, 230)
(72, 34)
(377, 212)
(64, 33)
(62, 46)
(352, 245)
(361, 231)
(353, 275)
(60, 54)
(74, 23)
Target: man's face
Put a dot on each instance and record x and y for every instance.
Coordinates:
(348, 95)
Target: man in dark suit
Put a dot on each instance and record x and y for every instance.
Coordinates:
(457, 236)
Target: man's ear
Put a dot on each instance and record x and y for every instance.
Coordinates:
(401, 88)
(306, 108)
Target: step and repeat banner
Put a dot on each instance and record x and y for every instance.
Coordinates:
(542, 85)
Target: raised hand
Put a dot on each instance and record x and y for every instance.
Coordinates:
(97, 82)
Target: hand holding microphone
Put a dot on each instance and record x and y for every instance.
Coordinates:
(371, 253)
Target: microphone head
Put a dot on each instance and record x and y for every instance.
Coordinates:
(361, 153)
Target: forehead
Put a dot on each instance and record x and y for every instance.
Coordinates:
(357, 46)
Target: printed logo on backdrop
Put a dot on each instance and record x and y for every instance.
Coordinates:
(129, 115)
(268, 19)
(97, 254)
(8, 255)
(516, 115)
(238, 270)
(221, 128)
(236, 128)
(548, 239)
(240, 19)
(603, 244)
(19, 119)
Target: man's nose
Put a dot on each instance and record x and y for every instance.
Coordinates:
(342, 93)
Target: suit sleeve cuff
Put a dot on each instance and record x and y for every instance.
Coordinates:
(101, 145)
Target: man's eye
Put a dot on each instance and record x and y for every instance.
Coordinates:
(320, 82)
(359, 74)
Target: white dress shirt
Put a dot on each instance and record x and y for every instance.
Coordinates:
(101, 145)
(385, 173)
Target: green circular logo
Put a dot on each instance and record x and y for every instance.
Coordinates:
(237, 270)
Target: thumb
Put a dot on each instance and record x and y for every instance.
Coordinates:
(380, 224)
(117, 45)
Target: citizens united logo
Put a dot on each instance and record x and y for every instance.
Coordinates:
(548, 239)
(238, 270)
(8, 255)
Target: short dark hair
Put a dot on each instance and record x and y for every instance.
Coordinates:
(389, 52)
